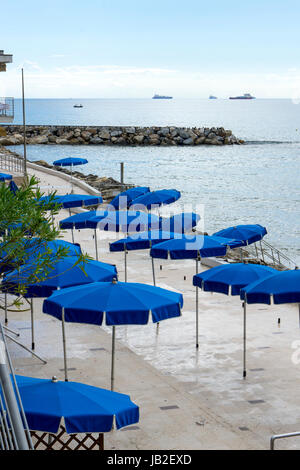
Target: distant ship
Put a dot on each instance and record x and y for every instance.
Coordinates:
(77, 106)
(162, 97)
(246, 96)
(213, 97)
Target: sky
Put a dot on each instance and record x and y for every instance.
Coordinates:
(135, 48)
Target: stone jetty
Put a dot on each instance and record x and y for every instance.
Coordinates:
(110, 135)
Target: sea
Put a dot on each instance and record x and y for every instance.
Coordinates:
(254, 183)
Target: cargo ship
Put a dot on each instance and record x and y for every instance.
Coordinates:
(246, 96)
(161, 97)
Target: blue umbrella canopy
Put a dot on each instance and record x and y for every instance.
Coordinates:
(85, 408)
(124, 199)
(158, 198)
(13, 187)
(191, 247)
(114, 303)
(246, 233)
(283, 287)
(141, 241)
(234, 275)
(123, 303)
(34, 247)
(65, 273)
(180, 222)
(70, 161)
(73, 200)
(50, 246)
(77, 221)
(5, 176)
(123, 221)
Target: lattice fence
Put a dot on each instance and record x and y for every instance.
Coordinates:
(64, 441)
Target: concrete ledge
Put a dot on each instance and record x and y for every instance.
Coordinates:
(81, 184)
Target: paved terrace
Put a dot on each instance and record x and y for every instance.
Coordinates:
(188, 399)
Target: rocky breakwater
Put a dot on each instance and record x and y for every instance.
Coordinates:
(105, 135)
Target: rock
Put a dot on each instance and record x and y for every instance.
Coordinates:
(86, 135)
(96, 140)
(138, 139)
(7, 141)
(116, 133)
(164, 131)
(130, 130)
(188, 141)
(184, 134)
(104, 134)
(62, 141)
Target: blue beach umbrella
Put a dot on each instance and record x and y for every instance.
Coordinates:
(231, 278)
(79, 221)
(125, 199)
(246, 233)
(157, 198)
(70, 161)
(192, 247)
(113, 303)
(65, 273)
(5, 176)
(68, 201)
(141, 241)
(180, 222)
(33, 251)
(283, 287)
(124, 221)
(84, 408)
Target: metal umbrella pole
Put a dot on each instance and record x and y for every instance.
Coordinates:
(244, 340)
(96, 247)
(32, 324)
(64, 344)
(197, 306)
(125, 262)
(72, 178)
(72, 229)
(113, 347)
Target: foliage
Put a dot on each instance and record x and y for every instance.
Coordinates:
(26, 225)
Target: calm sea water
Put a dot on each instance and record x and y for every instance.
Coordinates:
(257, 182)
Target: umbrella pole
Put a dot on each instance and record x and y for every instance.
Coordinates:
(112, 376)
(96, 247)
(244, 341)
(5, 306)
(72, 178)
(197, 309)
(32, 325)
(153, 271)
(6, 319)
(72, 230)
(125, 263)
(64, 344)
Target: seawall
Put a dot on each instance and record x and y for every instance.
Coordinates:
(111, 135)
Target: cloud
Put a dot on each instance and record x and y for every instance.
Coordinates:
(115, 81)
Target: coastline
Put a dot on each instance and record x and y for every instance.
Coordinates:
(187, 400)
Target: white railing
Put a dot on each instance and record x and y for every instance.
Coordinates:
(7, 109)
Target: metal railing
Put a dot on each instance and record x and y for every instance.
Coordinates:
(7, 108)
(14, 431)
(263, 252)
(281, 436)
(11, 162)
